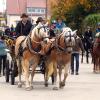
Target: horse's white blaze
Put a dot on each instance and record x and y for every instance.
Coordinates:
(68, 32)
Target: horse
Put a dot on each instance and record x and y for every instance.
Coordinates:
(88, 46)
(96, 53)
(60, 57)
(28, 50)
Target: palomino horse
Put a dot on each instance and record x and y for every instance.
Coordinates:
(28, 50)
(96, 53)
(60, 57)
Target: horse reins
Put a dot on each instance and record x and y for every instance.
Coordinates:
(58, 42)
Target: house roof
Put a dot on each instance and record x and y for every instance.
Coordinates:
(15, 6)
(36, 3)
(19, 6)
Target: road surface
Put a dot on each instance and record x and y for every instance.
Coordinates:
(85, 86)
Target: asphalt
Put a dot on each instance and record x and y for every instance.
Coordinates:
(85, 86)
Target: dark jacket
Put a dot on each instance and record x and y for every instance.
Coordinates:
(7, 31)
(88, 35)
(88, 38)
(22, 29)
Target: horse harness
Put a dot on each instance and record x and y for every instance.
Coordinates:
(29, 44)
(59, 48)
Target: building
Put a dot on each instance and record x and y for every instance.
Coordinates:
(34, 8)
(2, 19)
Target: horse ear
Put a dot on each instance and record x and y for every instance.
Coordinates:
(46, 24)
(74, 32)
(39, 24)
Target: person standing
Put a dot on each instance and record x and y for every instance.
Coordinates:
(75, 54)
(24, 26)
(3, 54)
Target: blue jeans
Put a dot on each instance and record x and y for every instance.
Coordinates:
(75, 56)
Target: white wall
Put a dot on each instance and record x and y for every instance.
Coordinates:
(12, 19)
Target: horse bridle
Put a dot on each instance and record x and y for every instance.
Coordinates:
(29, 41)
(44, 27)
(61, 48)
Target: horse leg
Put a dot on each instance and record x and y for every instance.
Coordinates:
(32, 74)
(55, 77)
(87, 56)
(91, 56)
(94, 68)
(99, 64)
(46, 78)
(19, 72)
(60, 73)
(66, 68)
(48, 72)
(26, 72)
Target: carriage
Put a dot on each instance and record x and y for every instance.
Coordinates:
(11, 70)
(27, 53)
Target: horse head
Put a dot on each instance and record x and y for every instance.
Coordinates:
(40, 33)
(69, 38)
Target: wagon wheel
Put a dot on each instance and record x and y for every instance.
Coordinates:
(7, 71)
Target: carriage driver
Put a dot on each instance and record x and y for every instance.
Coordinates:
(24, 26)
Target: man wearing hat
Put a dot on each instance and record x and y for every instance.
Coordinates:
(24, 26)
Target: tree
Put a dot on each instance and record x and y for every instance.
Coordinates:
(91, 20)
(94, 6)
(74, 11)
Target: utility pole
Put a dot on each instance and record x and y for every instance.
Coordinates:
(19, 7)
(46, 13)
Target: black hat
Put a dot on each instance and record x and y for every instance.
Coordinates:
(40, 19)
(24, 15)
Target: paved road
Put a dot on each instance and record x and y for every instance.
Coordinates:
(85, 86)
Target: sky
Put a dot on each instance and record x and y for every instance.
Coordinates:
(2, 5)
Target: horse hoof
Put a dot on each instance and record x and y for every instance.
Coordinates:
(62, 84)
(19, 85)
(29, 88)
(46, 84)
(55, 88)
